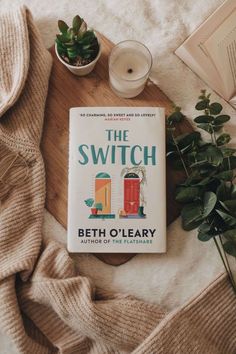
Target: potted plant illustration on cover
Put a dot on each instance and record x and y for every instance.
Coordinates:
(101, 204)
(77, 47)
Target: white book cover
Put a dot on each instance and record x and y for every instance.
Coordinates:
(117, 182)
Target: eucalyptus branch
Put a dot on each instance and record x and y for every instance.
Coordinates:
(209, 200)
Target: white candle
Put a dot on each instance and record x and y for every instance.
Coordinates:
(130, 63)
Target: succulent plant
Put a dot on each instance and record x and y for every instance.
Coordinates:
(76, 45)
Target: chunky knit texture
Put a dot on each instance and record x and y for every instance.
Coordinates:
(45, 306)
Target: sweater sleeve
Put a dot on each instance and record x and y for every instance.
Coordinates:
(25, 67)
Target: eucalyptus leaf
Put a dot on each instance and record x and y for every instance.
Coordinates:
(207, 127)
(228, 219)
(230, 235)
(176, 116)
(217, 128)
(233, 191)
(230, 248)
(215, 108)
(227, 152)
(225, 175)
(191, 215)
(229, 163)
(204, 236)
(223, 192)
(186, 139)
(223, 139)
(209, 202)
(223, 118)
(204, 119)
(188, 194)
(213, 155)
(204, 228)
(202, 105)
(231, 205)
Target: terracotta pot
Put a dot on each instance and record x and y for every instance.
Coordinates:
(94, 211)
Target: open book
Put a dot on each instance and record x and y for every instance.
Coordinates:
(211, 51)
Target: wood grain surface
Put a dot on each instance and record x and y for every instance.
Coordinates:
(67, 90)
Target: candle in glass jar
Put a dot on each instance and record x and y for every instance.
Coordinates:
(130, 63)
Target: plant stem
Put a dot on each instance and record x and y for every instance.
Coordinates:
(214, 133)
(226, 268)
(180, 155)
(227, 262)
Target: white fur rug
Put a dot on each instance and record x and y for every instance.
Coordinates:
(189, 265)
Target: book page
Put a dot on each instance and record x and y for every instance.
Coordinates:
(197, 56)
(221, 47)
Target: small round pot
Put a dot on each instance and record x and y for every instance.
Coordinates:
(81, 70)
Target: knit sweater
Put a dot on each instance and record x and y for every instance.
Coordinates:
(45, 306)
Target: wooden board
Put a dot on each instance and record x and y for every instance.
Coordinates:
(67, 90)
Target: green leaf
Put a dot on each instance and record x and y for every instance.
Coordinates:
(204, 119)
(63, 27)
(213, 155)
(204, 236)
(188, 194)
(233, 192)
(223, 192)
(207, 127)
(89, 202)
(231, 206)
(228, 219)
(61, 38)
(191, 215)
(227, 152)
(217, 128)
(223, 139)
(230, 235)
(209, 202)
(215, 108)
(186, 139)
(98, 206)
(175, 117)
(229, 163)
(202, 105)
(230, 248)
(221, 119)
(76, 23)
(225, 175)
(204, 227)
(198, 163)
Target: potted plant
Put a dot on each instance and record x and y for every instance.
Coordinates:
(78, 47)
(95, 207)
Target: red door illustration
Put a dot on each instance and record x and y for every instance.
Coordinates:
(131, 193)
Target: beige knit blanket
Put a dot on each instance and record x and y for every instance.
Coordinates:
(45, 306)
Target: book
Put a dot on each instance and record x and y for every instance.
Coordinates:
(117, 183)
(211, 51)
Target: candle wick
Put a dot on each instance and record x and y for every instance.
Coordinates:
(130, 71)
